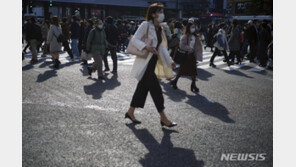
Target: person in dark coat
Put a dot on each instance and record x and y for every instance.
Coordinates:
(66, 34)
(264, 41)
(88, 28)
(33, 37)
(112, 36)
(233, 43)
(75, 35)
(209, 37)
(253, 40)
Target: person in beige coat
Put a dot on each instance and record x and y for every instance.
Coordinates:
(54, 46)
(158, 63)
(190, 43)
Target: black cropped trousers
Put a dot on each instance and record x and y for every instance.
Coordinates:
(149, 83)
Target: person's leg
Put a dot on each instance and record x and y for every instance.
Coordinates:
(26, 47)
(226, 58)
(231, 56)
(95, 63)
(74, 45)
(67, 49)
(33, 48)
(114, 59)
(216, 52)
(105, 58)
(174, 82)
(193, 84)
(100, 66)
(139, 97)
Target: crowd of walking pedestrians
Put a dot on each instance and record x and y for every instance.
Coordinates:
(158, 47)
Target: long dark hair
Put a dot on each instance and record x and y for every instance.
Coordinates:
(187, 29)
(153, 9)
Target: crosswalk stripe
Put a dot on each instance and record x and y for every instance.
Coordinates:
(233, 67)
(256, 69)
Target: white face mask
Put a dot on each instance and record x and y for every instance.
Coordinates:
(160, 18)
(192, 30)
(100, 26)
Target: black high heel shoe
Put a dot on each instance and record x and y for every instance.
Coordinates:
(172, 124)
(134, 121)
(194, 88)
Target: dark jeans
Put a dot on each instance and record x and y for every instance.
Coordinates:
(149, 83)
(67, 48)
(232, 55)
(216, 52)
(114, 59)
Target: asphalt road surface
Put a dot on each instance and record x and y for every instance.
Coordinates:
(70, 119)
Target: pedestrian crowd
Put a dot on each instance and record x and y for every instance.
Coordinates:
(252, 40)
(158, 47)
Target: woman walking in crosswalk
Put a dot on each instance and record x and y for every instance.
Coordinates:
(190, 43)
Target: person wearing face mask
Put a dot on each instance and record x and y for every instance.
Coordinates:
(157, 64)
(96, 45)
(190, 43)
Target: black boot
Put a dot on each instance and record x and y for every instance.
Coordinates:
(56, 63)
(212, 64)
(193, 87)
(174, 83)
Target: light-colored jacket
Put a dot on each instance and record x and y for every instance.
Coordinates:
(184, 45)
(163, 67)
(221, 35)
(53, 33)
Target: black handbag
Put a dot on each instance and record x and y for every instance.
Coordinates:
(181, 56)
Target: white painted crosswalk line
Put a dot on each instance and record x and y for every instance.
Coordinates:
(219, 62)
(233, 67)
(256, 69)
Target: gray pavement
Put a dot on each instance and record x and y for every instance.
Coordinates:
(70, 119)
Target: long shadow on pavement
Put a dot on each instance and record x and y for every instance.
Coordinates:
(203, 74)
(200, 102)
(97, 88)
(164, 153)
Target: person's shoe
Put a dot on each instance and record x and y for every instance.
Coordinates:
(89, 70)
(56, 63)
(229, 63)
(194, 88)
(172, 124)
(114, 72)
(224, 60)
(43, 55)
(84, 62)
(213, 65)
(34, 61)
(129, 117)
(270, 68)
(107, 69)
(252, 61)
(174, 84)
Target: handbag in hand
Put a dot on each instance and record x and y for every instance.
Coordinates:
(131, 49)
(180, 56)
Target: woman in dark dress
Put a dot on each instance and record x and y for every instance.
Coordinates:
(189, 43)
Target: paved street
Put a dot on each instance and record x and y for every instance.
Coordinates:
(70, 119)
